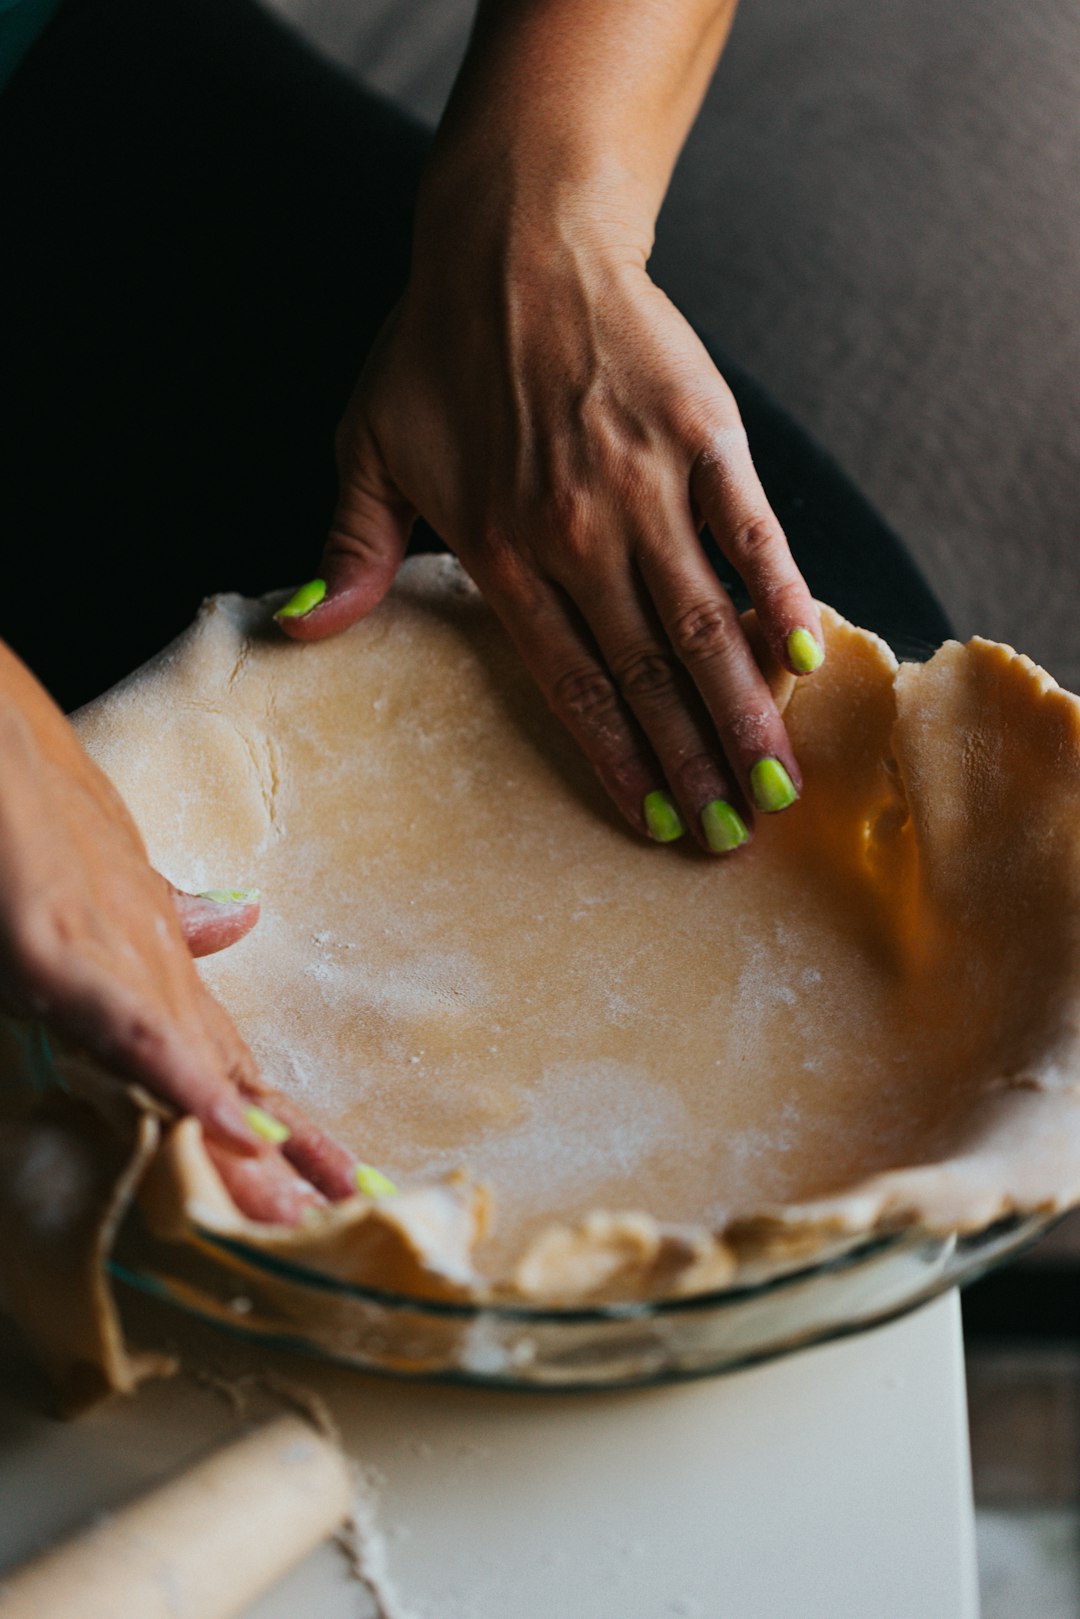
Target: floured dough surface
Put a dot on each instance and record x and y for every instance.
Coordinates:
(466, 962)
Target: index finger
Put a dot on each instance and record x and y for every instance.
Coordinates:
(725, 488)
(703, 626)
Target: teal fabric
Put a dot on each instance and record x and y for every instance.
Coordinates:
(21, 21)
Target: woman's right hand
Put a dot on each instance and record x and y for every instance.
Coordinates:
(98, 947)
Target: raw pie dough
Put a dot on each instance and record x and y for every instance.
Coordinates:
(661, 1067)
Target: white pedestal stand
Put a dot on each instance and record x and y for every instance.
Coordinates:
(831, 1485)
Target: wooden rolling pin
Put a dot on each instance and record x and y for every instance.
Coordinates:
(203, 1545)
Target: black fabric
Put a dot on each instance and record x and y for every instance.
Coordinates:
(203, 225)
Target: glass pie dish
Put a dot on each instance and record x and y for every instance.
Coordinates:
(852, 1287)
(877, 1080)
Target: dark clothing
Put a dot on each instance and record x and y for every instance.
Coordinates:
(203, 226)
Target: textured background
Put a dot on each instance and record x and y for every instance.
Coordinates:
(879, 214)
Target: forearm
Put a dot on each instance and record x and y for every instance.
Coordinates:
(563, 95)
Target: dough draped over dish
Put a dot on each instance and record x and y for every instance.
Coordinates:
(598, 1069)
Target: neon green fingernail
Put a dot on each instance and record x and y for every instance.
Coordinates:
(773, 788)
(264, 1124)
(805, 651)
(307, 597)
(663, 820)
(230, 896)
(724, 827)
(373, 1183)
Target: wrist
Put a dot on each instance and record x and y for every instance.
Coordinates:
(573, 110)
(518, 203)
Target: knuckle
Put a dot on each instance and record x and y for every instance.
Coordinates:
(566, 527)
(241, 1069)
(138, 1033)
(716, 440)
(647, 673)
(621, 775)
(585, 695)
(491, 536)
(503, 570)
(699, 775)
(783, 599)
(352, 542)
(753, 731)
(787, 594)
(569, 510)
(705, 631)
(755, 543)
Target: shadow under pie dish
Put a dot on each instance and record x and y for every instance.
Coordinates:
(614, 1082)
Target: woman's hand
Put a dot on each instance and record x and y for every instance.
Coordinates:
(98, 947)
(540, 402)
(551, 415)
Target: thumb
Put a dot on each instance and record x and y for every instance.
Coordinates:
(216, 919)
(369, 534)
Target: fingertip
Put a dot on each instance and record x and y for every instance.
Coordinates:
(323, 1162)
(225, 1118)
(723, 828)
(663, 822)
(348, 595)
(216, 918)
(302, 601)
(773, 786)
(266, 1125)
(317, 1156)
(805, 651)
(268, 1190)
(301, 617)
(365, 546)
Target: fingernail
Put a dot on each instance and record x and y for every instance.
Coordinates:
(724, 827)
(227, 1118)
(805, 651)
(373, 1183)
(230, 896)
(307, 597)
(264, 1124)
(772, 787)
(663, 820)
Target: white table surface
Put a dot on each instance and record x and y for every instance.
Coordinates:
(832, 1485)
